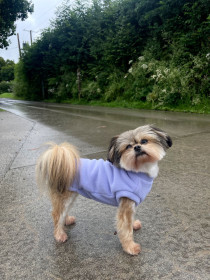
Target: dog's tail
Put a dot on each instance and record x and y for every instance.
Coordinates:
(57, 167)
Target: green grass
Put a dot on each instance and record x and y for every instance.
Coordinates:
(203, 108)
(10, 95)
(200, 108)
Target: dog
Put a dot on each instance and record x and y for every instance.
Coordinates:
(123, 180)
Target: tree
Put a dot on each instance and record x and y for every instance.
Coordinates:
(2, 62)
(119, 48)
(10, 11)
(6, 70)
(6, 75)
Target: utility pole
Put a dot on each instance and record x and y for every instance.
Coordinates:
(19, 44)
(79, 76)
(30, 34)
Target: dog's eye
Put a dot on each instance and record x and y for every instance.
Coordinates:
(144, 141)
(128, 147)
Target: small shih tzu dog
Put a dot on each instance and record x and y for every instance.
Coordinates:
(124, 180)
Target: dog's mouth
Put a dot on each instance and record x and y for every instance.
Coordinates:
(140, 153)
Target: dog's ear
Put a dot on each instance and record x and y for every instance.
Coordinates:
(113, 154)
(164, 138)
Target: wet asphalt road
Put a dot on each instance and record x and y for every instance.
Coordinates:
(175, 216)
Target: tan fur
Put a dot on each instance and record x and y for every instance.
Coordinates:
(154, 151)
(125, 224)
(55, 172)
(57, 169)
(61, 205)
(137, 225)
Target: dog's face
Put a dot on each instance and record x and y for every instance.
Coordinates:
(133, 148)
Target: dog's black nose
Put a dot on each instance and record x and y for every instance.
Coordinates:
(137, 149)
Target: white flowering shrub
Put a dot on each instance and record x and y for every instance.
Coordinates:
(130, 70)
(156, 83)
(164, 84)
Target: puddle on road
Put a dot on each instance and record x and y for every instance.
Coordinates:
(90, 120)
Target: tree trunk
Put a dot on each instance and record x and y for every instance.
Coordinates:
(79, 82)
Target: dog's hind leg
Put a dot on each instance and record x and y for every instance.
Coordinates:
(137, 225)
(125, 223)
(70, 220)
(61, 205)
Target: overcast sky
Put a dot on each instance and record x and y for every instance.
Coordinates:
(44, 10)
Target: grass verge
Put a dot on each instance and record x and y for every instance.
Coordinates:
(199, 108)
(203, 108)
(10, 95)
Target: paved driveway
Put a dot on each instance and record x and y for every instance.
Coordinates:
(175, 216)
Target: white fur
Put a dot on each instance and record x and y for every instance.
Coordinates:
(150, 168)
(68, 204)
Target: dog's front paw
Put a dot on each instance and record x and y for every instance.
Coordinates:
(60, 236)
(132, 248)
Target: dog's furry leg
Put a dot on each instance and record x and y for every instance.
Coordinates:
(56, 170)
(125, 225)
(137, 225)
(69, 220)
(61, 205)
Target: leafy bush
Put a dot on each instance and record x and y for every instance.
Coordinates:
(154, 52)
(6, 86)
(91, 91)
(21, 86)
(163, 83)
(116, 86)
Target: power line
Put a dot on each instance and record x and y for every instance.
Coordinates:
(38, 27)
(30, 34)
(9, 49)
